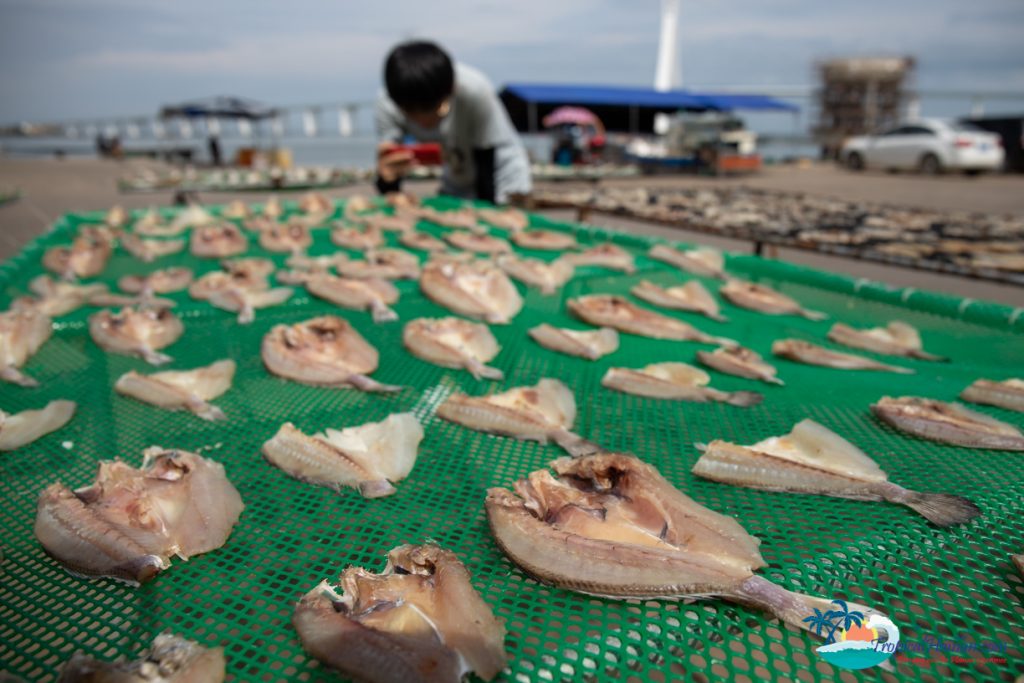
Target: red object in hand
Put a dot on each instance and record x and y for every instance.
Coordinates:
(425, 153)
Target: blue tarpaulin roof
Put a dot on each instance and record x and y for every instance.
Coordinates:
(596, 95)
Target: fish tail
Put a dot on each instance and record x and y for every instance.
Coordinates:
(744, 399)
(941, 509)
(481, 371)
(382, 314)
(15, 376)
(771, 379)
(367, 384)
(246, 314)
(206, 411)
(813, 315)
(924, 355)
(376, 488)
(575, 445)
(897, 369)
(155, 357)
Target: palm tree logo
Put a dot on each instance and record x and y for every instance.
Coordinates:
(833, 620)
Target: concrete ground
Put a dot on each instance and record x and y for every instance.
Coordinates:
(51, 187)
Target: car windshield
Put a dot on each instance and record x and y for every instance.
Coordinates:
(961, 127)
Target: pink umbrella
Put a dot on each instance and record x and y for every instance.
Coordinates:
(572, 115)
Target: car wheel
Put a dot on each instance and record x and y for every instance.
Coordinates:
(973, 173)
(930, 165)
(854, 161)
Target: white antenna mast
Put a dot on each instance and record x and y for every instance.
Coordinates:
(668, 74)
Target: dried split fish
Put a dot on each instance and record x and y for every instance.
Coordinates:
(507, 218)
(453, 343)
(739, 361)
(419, 621)
(689, 297)
(86, 257)
(387, 264)
(589, 344)
(136, 332)
(189, 390)
(358, 239)
(272, 208)
(811, 354)
(56, 297)
(607, 255)
(152, 224)
(286, 238)
(148, 250)
(481, 244)
(385, 222)
(702, 261)
(23, 428)
(610, 525)
(948, 423)
(548, 277)
(130, 522)
(764, 299)
(1007, 394)
(422, 241)
(607, 310)
(217, 241)
(22, 332)
(814, 459)
(895, 339)
(170, 659)
(241, 290)
(324, 351)
(116, 216)
(675, 381)
(371, 294)
(195, 216)
(158, 282)
(464, 219)
(476, 289)
(236, 209)
(315, 203)
(370, 457)
(547, 240)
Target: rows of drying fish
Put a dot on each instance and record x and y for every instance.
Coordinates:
(605, 523)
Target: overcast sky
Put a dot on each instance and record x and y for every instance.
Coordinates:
(80, 58)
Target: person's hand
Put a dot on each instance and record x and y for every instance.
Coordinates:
(393, 162)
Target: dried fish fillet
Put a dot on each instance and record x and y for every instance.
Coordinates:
(507, 219)
(358, 239)
(739, 361)
(152, 224)
(675, 381)
(764, 299)
(702, 261)
(610, 525)
(453, 343)
(814, 459)
(315, 203)
(272, 208)
(241, 291)
(476, 289)
(422, 241)
(130, 522)
(464, 219)
(607, 255)
(481, 244)
(86, 257)
(895, 339)
(385, 222)
(217, 240)
(607, 310)
(116, 216)
(56, 297)
(170, 659)
(589, 344)
(286, 238)
(371, 294)
(324, 351)
(546, 240)
(1007, 394)
(691, 296)
(136, 332)
(22, 332)
(148, 250)
(158, 282)
(419, 621)
(370, 457)
(548, 277)
(236, 209)
(811, 354)
(386, 264)
(23, 428)
(189, 390)
(948, 423)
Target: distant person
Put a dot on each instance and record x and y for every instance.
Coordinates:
(430, 99)
(214, 145)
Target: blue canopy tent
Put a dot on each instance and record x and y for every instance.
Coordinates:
(622, 109)
(220, 107)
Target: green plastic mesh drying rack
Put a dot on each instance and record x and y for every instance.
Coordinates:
(957, 585)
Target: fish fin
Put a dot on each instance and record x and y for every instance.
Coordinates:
(718, 317)
(773, 380)
(941, 509)
(744, 399)
(206, 411)
(15, 376)
(155, 357)
(246, 314)
(724, 341)
(377, 488)
(813, 315)
(924, 355)
(382, 314)
(575, 445)
(899, 370)
(367, 384)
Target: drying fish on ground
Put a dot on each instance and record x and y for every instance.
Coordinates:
(453, 343)
(371, 457)
(359, 239)
(236, 209)
(811, 354)
(323, 351)
(543, 412)
(251, 269)
(387, 264)
(314, 264)
(1007, 394)
(548, 240)
(258, 224)
(677, 382)
(481, 244)
(764, 299)
(507, 218)
(130, 522)
(476, 289)
(217, 241)
(606, 255)
(739, 361)
(194, 216)
(272, 208)
(116, 216)
(371, 294)
(401, 199)
(189, 390)
(162, 281)
(19, 429)
(315, 203)
(286, 238)
(608, 310)
(689, 297)
(22, 332)
(56, 297)
(422, 241)
(895, 339)
(814, 459)
(548, 277)
(86, 257)
(357, 204)
(145, 300)
(152, 224)
(589, 344)
(702, 261)
(241, 291)
(610, 525)
(170, 659)
(419, 621)
(385, 222)
(136, 332)
(464, 219)
(147, 250)
(949, 423)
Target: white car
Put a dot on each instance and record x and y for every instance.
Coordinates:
(930, 146)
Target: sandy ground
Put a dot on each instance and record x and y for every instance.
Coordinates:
(50, 188)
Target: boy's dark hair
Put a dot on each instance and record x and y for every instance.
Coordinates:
(419, 75)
